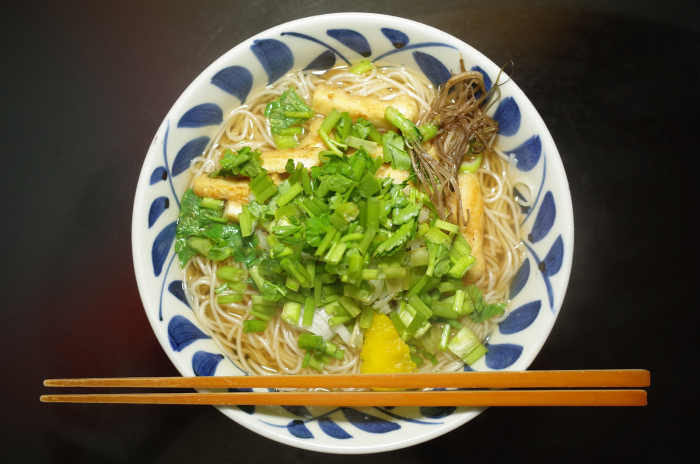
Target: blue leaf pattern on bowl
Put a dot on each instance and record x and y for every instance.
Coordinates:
(545, 218)
(521, 318)
(508, 117)
(161, 247)
(206, 114)
(552, 262)
(527, 154)
(437, 412)
(204, 363)
(411, 47)
(246, 408)
(182, 333)
(298, 429)
(300, 411)
(369, 423)
(387, 410)
(315, 40)
(398, 39)
(175, 288)
(520, 279)
(523, 209)
(159, 174)
(235, 80)
(502, 356)
(322, 62)
(190, 150)
(432, 68)
(159, 205)
(275, 57)
(332, 429)
(351, 39)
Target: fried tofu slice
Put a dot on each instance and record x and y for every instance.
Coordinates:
(233, 189)
(385, 170)
(473, 231)
(275, 160)
(326, 97)
(312, 139)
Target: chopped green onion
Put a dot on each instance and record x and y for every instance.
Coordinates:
(459, 302)
(349, 305)
(419, 257)
(307, 358)
(330, 121)
(230, 273)
(306, 182)
(311, 342)
(394, 272)
(335, 254)
(436, 236)
(325, 243)
(332, 145)
(472, 164)
(289, 195)
(446, 226)
(463, 343)
(370, 274)
(354, 142)
(363, 67)
(228, 299)
(445, 337)
(475, 354)
(445, 310)
(419, 306)
(291, 130)
(335, 320)
(291, 312)
(254, 325)
(309, 309)
(316, 363)
(265, 194)
(398, 323)
(366, 317)
(407, 128)
(462, 266)
(428, 131)
(211, 203)
(285, 141)
(221, 288)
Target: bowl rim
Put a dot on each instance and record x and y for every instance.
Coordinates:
(551, 153)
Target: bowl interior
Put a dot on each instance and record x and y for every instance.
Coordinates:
(322, 42)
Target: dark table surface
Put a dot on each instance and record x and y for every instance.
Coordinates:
(85, 85)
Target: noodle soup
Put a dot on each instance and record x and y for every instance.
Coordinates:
(480, 205)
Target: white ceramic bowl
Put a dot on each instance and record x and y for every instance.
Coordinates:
(321, 42)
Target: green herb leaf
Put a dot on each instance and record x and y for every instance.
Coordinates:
(287, 110)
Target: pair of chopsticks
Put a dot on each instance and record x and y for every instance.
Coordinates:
(511, 394)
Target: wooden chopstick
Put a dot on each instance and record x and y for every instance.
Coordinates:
(360, 399)
(525, 379)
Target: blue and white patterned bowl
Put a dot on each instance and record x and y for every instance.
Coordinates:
(321, 42)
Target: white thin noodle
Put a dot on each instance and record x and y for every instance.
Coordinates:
(275, 351)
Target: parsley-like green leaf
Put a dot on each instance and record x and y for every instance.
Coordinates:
(287, 110)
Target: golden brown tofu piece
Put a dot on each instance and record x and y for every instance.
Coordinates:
(326, 97)
(473, 208)
(232, 210)
(276, 160)
(387, 171)
(236, 190)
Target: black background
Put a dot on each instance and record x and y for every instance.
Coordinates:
(85, 85)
